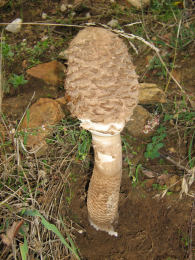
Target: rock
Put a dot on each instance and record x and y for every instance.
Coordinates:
(113, 23)
(63, 8)
(63, 55)
(88, 15)
(61, 101)
(139, 3)
(44, 16)
(52, 72)
(139, 119)
(37, 124)
(150, 93)
(14, 26)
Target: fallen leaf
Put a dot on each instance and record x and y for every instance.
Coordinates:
(149, 174)
(11, 233)
(192, 177)
(184, 186)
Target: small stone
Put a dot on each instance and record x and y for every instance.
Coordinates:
(51, 72)
(63, 55)
(113, 23)
(73, 13)
(112, 1)
(44, 38)
(38, 124)
(150, 93)
(139, 3)
(139, 119)
(88, 15)
(44, 16)
(63, 8)
(14, 26)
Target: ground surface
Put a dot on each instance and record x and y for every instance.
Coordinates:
(56, 184)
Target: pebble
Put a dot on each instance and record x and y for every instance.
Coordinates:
(14, 26)
(44, 16)
(63, 8)
(113, 23)
(63, 55)
(88, 15)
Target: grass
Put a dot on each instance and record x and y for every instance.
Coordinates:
(25, 184)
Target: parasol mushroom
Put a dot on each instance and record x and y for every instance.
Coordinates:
(102, 90)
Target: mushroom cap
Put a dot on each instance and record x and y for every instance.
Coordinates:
(101, 83)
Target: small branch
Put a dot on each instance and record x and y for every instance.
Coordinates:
(178, 165)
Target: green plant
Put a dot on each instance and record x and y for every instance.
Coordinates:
(136, 176)
(17, 80)
(185, 37)
(152, 149)
(6, 50)
(158, 187)
(84, 144)
(166, 10)
(156, 64)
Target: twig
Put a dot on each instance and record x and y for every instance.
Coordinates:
(10, 197)
(178, 165)
(47, 24)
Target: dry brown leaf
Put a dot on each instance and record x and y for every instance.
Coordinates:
(149, 174)
(184, 187)
(7, 238)
(192, 177)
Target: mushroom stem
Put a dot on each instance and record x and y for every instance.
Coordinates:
(104, 187)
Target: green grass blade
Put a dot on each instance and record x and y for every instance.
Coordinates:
(51, 227)
(24, 248)
(69, 237)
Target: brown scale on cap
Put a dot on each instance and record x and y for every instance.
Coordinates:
(102, 90)
(101, 79)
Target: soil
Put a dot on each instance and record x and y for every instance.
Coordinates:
(149, 227)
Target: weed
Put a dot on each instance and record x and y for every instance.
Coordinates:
(165, 10)
(156, 144)
(156, 64)
(36, 52)
(17, 80)
(158, 187)
(186, 36)
(136, 177)
(84, 144)
(6, 50)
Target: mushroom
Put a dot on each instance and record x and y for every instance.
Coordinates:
(102, 91)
